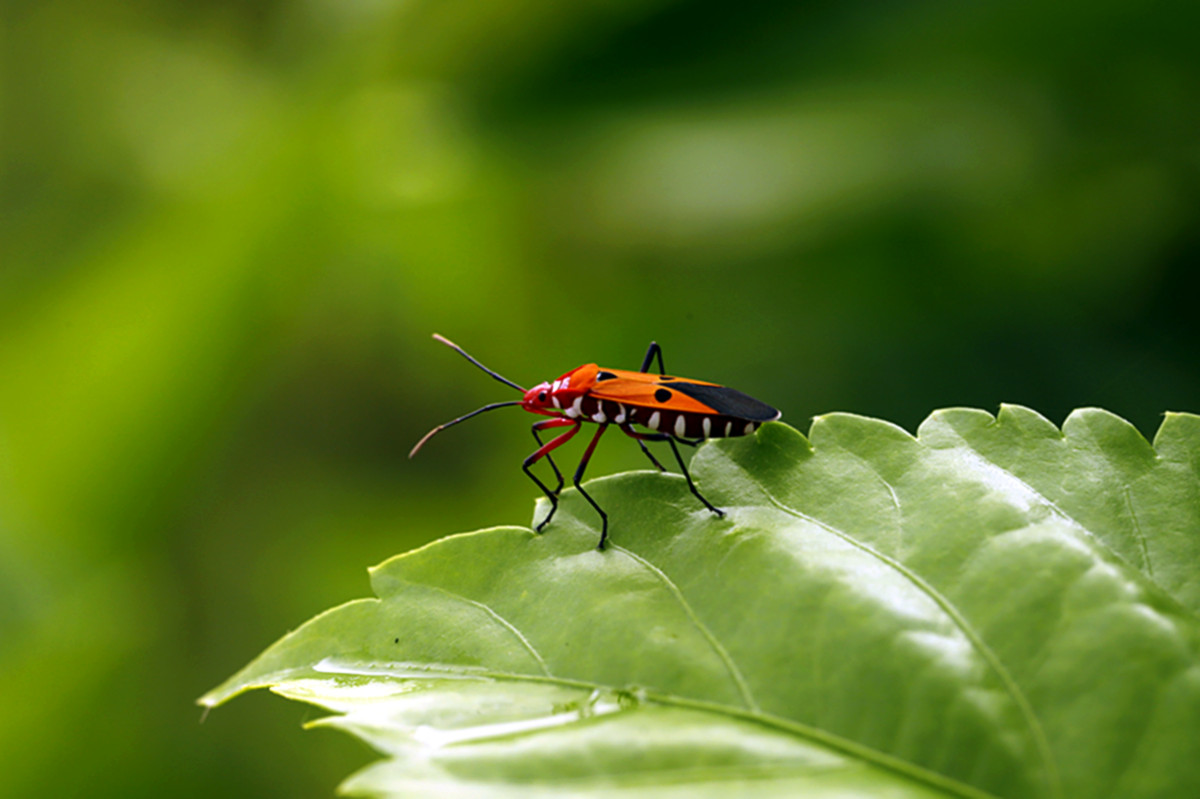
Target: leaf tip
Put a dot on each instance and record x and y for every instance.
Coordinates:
(1027, 420)
(1105, 428)
(212, 699)
(1177, 428)
(938, 422)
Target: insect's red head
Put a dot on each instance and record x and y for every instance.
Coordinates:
(539, 398)
(556, 397)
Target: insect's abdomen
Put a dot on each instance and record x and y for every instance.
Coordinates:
(684, 424)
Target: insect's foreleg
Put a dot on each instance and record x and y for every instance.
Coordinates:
(688, 477)
(654, 350)
(541, 452)
(548, 423)
(642, 438)
(583, 462)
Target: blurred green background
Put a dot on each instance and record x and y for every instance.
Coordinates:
(227, 231)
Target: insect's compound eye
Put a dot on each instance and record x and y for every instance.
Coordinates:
(541, 396)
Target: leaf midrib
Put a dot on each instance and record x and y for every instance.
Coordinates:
(778, 723)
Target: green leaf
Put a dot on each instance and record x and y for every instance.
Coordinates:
(994, 607)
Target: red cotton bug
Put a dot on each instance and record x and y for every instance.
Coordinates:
(674, 409)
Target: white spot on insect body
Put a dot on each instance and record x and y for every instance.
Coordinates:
(728, 428)
(706, 426)
(576, 408)
(557, 404)
(680, 425)
(652, 422)
(620, 417)
(555, 386)
(749, 428)
(566, 382)
(599, 417)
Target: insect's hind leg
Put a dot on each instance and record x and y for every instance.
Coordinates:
(650, 455)
(654, 350)
(642, 438)
(670, 439)
(687, 476)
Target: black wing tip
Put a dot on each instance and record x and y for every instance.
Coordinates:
(769, 414)
(729, 401)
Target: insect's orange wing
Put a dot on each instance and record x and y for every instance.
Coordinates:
(644, 390)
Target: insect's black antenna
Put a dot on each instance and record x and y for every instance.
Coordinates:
(453, 422)
(463, 353)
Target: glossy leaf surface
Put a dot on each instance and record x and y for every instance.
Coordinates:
(994, 607)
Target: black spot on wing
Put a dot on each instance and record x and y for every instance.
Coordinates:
(603, 375)
(728, 401)
(662, 395)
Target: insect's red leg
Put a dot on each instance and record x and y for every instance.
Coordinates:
(641, 439)
(691, 485)
(544, 450)
(548, 423)
(583, 462)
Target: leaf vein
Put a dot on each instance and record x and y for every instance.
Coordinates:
(525, 642)
(1141, 534)
(1086, 532)
(735, 673)
(993, 661)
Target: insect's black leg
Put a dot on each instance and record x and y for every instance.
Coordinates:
(541, 452)
(691, 442)
(670, 439)
(628, 430)
(692, 485)
(550, 495)
(654, 350)
(534, 429)
(650, 455)
(583, 462)
(642, 438)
